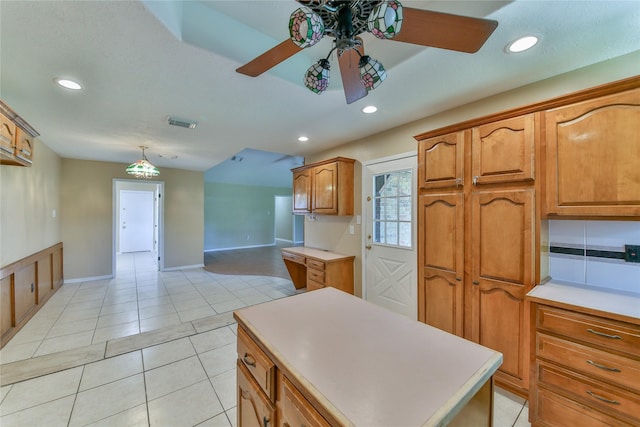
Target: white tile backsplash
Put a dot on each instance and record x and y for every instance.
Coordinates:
(612, 234)
(599, 235)
(567, 232)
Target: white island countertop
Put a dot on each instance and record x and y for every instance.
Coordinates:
(366, 365)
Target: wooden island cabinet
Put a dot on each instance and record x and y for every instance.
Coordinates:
(327, 358)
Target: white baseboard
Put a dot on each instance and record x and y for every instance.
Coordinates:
(284, 240)
(88, 279)
(239, 247)
(184, 267)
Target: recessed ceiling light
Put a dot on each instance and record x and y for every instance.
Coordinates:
(69, 84)
(303, 139)
(522, 44)
(369, 109)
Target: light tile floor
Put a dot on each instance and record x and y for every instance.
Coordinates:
(147, 348)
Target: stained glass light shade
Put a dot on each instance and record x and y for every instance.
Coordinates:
(386, 19)
(316, 79)
(142, 168)
(372, 72)
(305, 27)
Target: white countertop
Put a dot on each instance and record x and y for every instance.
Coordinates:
(369, 366)
(607, 301)
(317, 253)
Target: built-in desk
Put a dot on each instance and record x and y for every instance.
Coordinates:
(317, 268)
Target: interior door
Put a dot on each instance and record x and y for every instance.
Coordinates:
(136, 221)
(390, 239)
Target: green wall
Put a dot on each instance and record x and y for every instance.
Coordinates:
(237, 216)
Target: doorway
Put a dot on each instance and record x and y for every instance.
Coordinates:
(138, 220)
(288, 228)
(390, 260)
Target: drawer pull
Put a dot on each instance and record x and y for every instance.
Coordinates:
(249, 360)
(265, 421)
(604, 399)
(606, 368)
(602, 334)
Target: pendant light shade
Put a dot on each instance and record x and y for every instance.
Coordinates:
(386, 19)
(372, 72)
(316, 79)
(305, 27)
(142, 168)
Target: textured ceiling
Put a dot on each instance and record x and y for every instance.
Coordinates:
(140, 62)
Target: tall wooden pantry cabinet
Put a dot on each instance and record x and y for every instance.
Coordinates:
(476, 235)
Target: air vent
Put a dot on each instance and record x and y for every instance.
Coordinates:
(189, 124)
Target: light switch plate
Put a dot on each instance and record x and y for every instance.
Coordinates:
(352, 229)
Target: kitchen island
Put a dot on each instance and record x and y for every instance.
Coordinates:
(329, 358)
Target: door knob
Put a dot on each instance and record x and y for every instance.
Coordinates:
(368, 247)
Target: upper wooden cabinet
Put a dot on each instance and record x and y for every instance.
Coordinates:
(504, 151)
(324, 187)
(16, 138)
(302, 191)
(441, 161)
(593, 157)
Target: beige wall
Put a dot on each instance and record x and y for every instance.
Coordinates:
(87, 216)
(332, 233)
(28, 197)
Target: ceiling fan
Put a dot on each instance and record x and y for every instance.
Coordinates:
(345, 20)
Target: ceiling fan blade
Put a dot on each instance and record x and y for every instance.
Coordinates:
(443, 30)
(350, 72)
(270, 58)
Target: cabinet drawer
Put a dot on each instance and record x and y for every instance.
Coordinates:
(556, 410)
(297, 411)
(253, 408)
(7, 135)
(590, 361)
(607, 333)
(592, 393)
(315, 275)
(293, 257)
(313, 285)
(257, 364)
(315, 264)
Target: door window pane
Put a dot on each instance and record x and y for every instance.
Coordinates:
(392, 222)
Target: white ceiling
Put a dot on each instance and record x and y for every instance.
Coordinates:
(140, 62)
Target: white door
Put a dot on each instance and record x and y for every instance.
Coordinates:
(390, 258)
(136, 221)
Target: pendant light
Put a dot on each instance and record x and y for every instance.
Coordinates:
(143, 168)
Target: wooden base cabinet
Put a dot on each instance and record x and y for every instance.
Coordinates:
(585, 369)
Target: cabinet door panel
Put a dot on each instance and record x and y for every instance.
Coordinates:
(7, 135)
(24, 146)
(253, 407)
(302, 191)
(441, 239)
(442, 300)
(441, 266)
(502, 223)
(593, 157)
(25, 295)
(6, 320)
(325, 189)
(502, 264)
(441, 161)
(501, 325)
(45, 284)
(504, 151)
